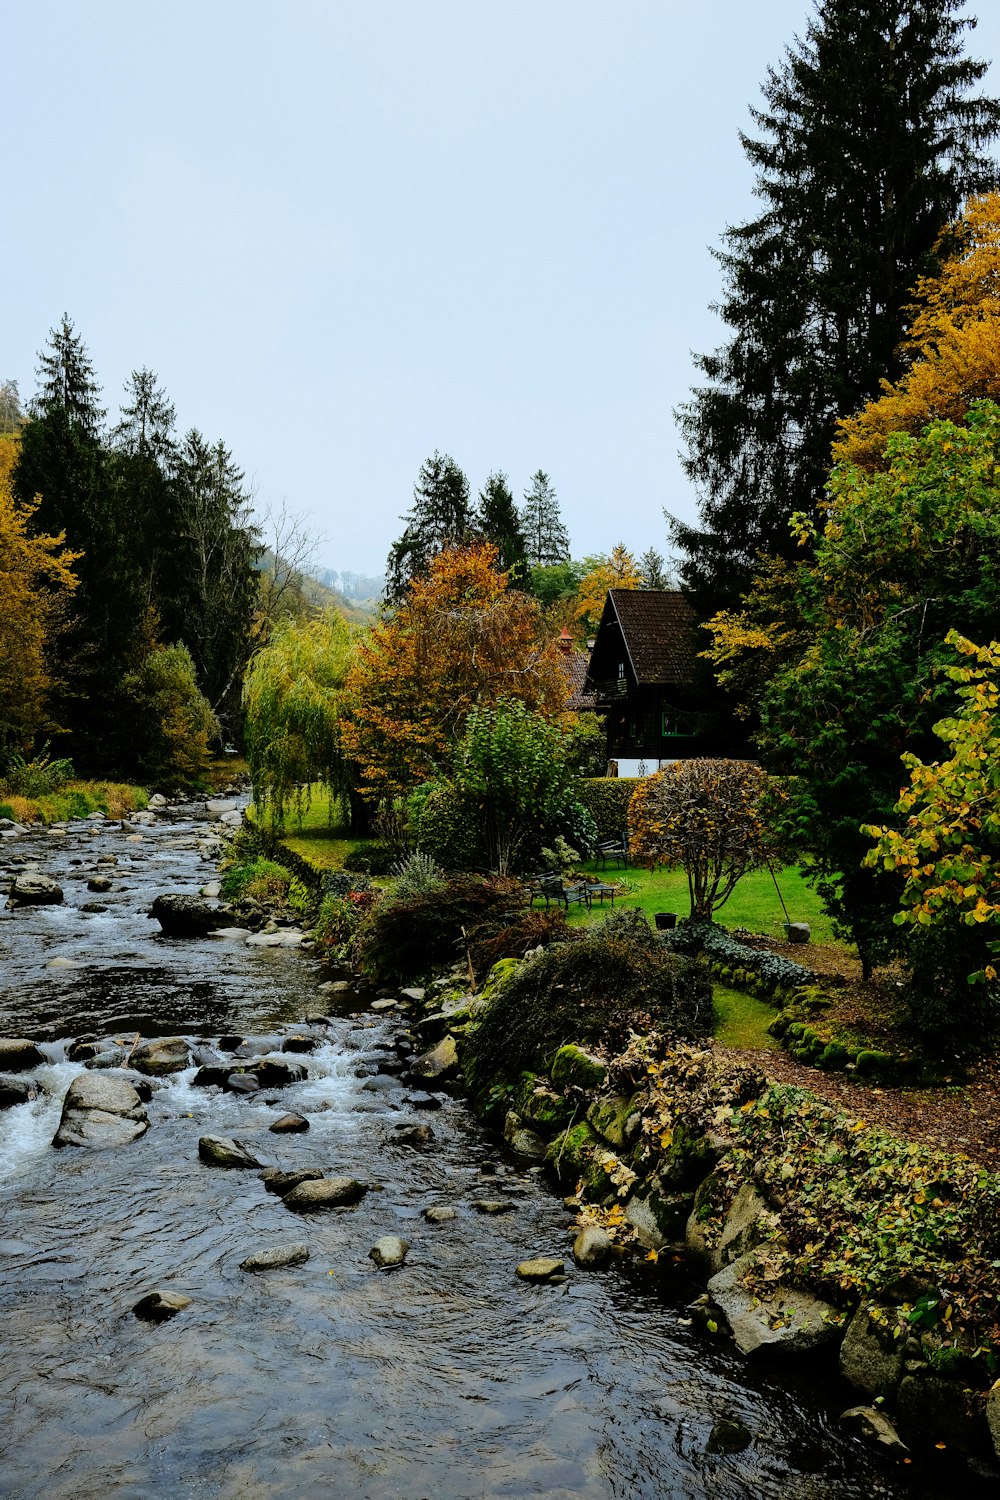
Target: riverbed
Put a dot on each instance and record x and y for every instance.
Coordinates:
(446, 1377)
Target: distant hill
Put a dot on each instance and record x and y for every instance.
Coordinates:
(315, 593)
(360, 588)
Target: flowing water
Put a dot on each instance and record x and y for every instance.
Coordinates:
(446, 1377)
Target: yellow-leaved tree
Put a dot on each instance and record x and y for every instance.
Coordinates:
(36, 580)
(953, 342)
(619, 571)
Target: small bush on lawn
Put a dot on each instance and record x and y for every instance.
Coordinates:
(401, 938)
(369, 858)
(255, 880)
(417, 876)
(615, 977)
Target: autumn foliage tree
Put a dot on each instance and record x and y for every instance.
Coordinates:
(953, 342)
(948, 849)
(710, 817)
(618, 571)
(461, 637)
(36, 583)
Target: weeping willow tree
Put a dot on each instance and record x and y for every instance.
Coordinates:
(293, 696)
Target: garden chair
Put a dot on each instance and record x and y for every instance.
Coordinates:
(616, 849)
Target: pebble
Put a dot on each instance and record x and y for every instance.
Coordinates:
(389, 1251)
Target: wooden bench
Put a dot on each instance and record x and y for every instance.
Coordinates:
(553, 889)
(616, 849)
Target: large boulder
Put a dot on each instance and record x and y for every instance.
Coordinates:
(32, 889)
(17, 1054)
(162, 1055)
(872, 1354)
(438, 1065)
(789, 1320)
(100, 1111)
(186, 916)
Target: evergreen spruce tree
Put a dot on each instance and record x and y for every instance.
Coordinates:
(64, 460)
(219, 546)
(545, 535)
(11, 413)
(870, 139)
(498, 522)
(653, 569)
(440, 518)
(144, 467)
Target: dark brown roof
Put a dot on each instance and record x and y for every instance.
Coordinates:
(660, 630)
(573, 665)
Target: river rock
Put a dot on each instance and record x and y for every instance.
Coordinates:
(17, 1054)
(186, 916)
(216, 806)
(275, 1073)
(273, 1260)
(439, 1215)
(289, 1125)
(15, 1091)
(521, 1140)
(542, 1268)
(300, 1044)
(34, 889)
(162, 1055)
(325, 1192)
(98, 883)
(158, 1306)
(870, 1357)
(493, 1206)
(281, 1183)
(791, 1320)
(728, 1436)
(993, 1416)
(389, 1251)
(415, 1135)
(874, 1427)
(242, 1083)
(437, 1065)
(157, 800)
(100, 1111)
(220, 1151)
(93, 908)
(414, 992)
(591, 1247)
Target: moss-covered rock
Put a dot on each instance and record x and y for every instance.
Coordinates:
(616, 1119)
(572, 1065)
(574, 1156)
(540, 1106)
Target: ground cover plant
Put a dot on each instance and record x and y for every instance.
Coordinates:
(76, 799)
(615, 975)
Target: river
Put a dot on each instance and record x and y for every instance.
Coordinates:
(446, 1377)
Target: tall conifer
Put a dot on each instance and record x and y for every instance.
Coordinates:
(546, 537)
(440, 518)
(498, 521)
(869, 141)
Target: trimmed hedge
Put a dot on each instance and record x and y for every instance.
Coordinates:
(606, 798)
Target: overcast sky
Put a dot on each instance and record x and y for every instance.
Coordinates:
(345, 235)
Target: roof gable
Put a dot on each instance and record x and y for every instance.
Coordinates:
(657, 628)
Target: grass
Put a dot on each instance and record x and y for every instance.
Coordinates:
(742, 1021)
(319, 834)
(76, 799)
(754, 904)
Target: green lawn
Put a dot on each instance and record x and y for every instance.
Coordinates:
(742, 1021)
(754, 904)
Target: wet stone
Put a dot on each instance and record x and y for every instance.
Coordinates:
(326, 1192)
(728, 1436)
(591, 1247)
(33, 889)
(15, 1091)
(242, 1083)
(439, 1215)
(158, 1306)
(17, 1054)
(162, 1055)
(275, 1259)
(299, 1044)
(493, 1206)
(389, 1251)
(541, 1269)
(289, 1125)
(220, 1151)
(98, 883)
(281, 1183)
(100, 1112)
(415, 1135)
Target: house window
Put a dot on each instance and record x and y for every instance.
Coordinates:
(621, 671)
(669, 728)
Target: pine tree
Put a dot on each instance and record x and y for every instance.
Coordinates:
(653, 570)
(870, 140)
(440, 518)
(64, 460)
(143, 466)
(546, 536)
(498, 521)
(11, 414)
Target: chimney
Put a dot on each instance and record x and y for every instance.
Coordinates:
(565, 642)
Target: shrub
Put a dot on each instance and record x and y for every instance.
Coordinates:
(169, 720)
(417, 876)
(256, 880)
(338, 920)
(369, 858)
(404, 937)
(532, 929)
(443, 828)
(36, 777)
(606, 799)
(771, 969)
(614, 976)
